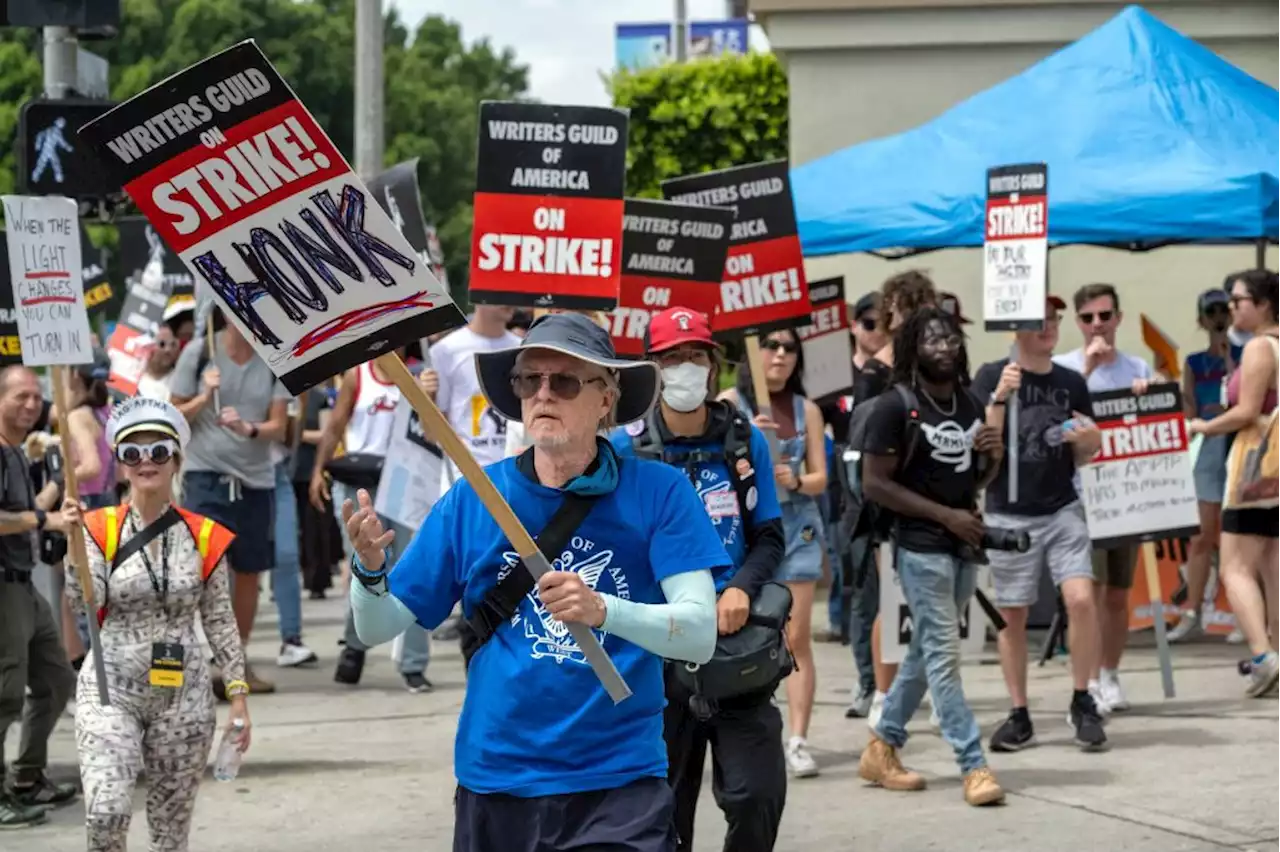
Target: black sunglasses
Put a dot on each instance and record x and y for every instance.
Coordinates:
(1103, 316)
(132, 455)
(774, 345)
(867, 324)
(564, 385)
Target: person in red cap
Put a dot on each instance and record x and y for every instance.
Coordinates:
(721, 453)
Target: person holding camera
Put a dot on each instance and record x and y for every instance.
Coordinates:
(927, 453)
(721, 453)
(1055, 436)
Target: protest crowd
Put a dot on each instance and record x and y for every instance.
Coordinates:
(634, 539)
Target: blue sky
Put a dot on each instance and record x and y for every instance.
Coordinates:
(564, 42)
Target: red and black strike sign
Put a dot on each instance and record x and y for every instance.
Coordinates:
(673, 254)
(1016, 247)
(828, 346)
(238, 178)
(547, 229)
(764, 287)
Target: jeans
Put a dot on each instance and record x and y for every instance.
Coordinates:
(286, 576)
(936, 586)
(837, 615)
(863, 610)
(415, 651)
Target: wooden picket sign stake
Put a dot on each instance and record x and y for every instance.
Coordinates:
(76, 552)
(755, 362)
(434, 422)
(1150, 566)
(211, 347)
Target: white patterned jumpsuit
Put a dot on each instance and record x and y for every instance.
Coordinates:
(166, 731)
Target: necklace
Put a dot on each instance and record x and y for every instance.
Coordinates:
(955, 401)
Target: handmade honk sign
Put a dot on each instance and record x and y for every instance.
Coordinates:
(43, 237)
(238, 178)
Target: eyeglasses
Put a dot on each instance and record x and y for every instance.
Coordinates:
(786, 346)
(1103, 316)
(132, 455)
(1235, 300)
(684, 355)
(564, 385)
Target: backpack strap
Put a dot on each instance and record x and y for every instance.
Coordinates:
(912, 437)
(737, 447)
(212, 540)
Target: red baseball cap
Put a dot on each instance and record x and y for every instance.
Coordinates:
(676, 327)
(1056, 301)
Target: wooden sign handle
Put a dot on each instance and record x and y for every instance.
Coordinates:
(755, 362)
(441, 431)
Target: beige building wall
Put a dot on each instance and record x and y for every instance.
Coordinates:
(862, 69)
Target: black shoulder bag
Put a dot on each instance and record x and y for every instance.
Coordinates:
(504, 598)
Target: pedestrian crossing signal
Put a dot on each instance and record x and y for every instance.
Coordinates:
(52, 159)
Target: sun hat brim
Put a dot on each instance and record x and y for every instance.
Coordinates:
(637, 380)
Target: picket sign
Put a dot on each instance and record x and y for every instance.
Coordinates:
(234, 173)
(897, 626)
(43, 237)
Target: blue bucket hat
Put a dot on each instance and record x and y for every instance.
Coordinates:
(578, 337)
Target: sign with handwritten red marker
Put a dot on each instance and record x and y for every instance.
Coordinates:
(43, 237)
(238, 178)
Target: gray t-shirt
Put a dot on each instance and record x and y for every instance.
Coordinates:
(17, 551)
(1119, 374)
(249, 388)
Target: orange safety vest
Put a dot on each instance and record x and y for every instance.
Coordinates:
(106, 525)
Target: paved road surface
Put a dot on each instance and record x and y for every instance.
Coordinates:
(335, 768)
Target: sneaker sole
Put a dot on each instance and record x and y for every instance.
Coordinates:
(987, 800)
(1009, 748)
(1262, 687)
(1091, 747)
(18, 826)
(293, 664)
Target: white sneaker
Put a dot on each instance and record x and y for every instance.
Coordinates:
(1235, 637)
(1263, 677)
(1109, 683)
(799, 762)
(877, 710)
(934, 721)
(295, 654)
(859, 706)
(1187, 627)
(1099, 700)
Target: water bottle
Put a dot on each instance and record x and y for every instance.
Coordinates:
(229, 755)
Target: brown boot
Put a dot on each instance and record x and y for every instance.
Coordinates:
(880, 765)
(982, 788)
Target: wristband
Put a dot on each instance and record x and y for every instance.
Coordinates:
(235, 688)
(368, 578)
(42, 517)
(253, 430)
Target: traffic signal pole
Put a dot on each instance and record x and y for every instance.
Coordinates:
(60, 45)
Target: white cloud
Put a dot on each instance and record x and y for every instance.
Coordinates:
(565, 43)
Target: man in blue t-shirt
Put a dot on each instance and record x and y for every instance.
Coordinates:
(720, 452)
(543, 756)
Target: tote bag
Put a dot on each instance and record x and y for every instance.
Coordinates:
(1254, 464)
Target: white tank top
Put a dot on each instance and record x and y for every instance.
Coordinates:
(369, 429)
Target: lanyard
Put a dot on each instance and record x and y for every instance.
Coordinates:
(161, 586)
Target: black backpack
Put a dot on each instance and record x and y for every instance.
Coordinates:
(860, 518)
(736, 446)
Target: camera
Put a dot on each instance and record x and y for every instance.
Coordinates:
(998, 538)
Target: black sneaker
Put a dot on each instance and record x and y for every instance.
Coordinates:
(416, 683)
(1015, 733)
(1087, 721)
(44, 793)
(14, 814)
(350, 666)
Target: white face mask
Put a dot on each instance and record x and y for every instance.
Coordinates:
(684, 386)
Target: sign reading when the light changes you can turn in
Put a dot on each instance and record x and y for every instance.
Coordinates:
(43, 236)
(547, 229)
(238, 178)
(1139, 487)
(1015, 248)
(764, 287)
(828, 346)
(672, 255)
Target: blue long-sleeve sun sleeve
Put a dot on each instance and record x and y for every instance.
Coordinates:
(683, 628)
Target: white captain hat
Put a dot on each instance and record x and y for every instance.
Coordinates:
(143, 414)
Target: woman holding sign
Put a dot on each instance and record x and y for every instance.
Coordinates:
(154, 568)
(1249, 517)
(801, 470)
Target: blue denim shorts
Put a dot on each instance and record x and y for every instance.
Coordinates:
(1210, 473)
(251, 518)
(806, 541)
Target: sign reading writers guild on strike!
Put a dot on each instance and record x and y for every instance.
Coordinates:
(672, 254)
(238, 178)
(763, 287)
(828, 347)
(43, 236)
(547, 228)
(1139, 487)
(1015, 247)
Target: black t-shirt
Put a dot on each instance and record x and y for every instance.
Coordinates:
(1046, 466)
(17, 494)
(943, 467)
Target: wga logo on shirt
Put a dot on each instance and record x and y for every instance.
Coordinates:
(721, 503)
(548, 638)
(951, 444)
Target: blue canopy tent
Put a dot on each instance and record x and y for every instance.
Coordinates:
(1149, 137)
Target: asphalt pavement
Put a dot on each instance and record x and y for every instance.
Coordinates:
(335, 768)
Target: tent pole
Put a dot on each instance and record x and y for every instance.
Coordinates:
(1261, 257)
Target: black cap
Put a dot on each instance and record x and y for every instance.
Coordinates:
(97, 370)
(1209, 298)
(869, 302)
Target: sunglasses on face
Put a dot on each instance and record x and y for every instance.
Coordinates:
(867, 323)
(787, 347)
(563, 385)
(1102, 316)
(132, 455)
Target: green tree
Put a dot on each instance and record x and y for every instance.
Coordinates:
(701, 116)
(434, 82)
